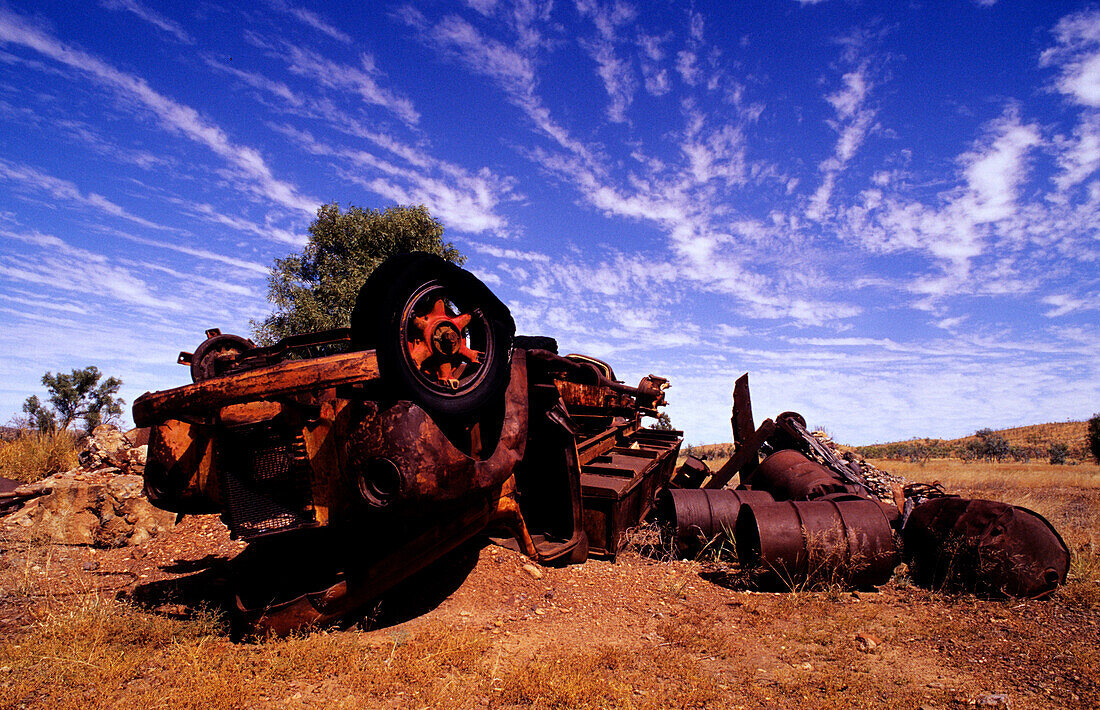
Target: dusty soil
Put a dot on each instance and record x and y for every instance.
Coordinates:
(639, 632)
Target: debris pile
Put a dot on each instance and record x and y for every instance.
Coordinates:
(831, 516)
(100, 503)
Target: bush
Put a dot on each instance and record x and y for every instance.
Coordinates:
(1058, 453)
(991, 446)
(34, 455)
(1093, 436)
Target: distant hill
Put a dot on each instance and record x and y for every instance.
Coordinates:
(1032, 441)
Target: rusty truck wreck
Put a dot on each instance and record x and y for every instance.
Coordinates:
(350, 459)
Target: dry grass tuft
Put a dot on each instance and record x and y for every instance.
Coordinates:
(33, 455)
(607, 677)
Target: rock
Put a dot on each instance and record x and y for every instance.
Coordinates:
(993, 700)
(867, 643)
(107, 446)
(532, 570)
(101, 511)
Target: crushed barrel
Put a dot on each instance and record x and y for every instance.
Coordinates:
(789, 544)
(985, 547)
(700, 516)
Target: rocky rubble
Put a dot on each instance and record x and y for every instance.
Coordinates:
(109, 447)
(884, 485)
(99, 503)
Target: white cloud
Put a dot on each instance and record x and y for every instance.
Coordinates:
(853, 123)
(312, 19)
(67, 191)
(995, 169)
(68, 268)
(175, 116)
(152, 17)
(362, 80)
(1077, 55)
(465, 200)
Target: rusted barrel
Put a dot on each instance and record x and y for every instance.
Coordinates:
(788, 475)
(985, 547)
(790, 544)
(700, 516)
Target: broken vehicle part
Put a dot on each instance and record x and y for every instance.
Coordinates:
(985, 547)
(790, 544)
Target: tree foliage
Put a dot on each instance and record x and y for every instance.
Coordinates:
(1094, 436)
(991, 446)
(663, 423)
(78, 395)
(316, 289)
(1059, 452)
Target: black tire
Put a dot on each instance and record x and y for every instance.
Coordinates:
(403, 293)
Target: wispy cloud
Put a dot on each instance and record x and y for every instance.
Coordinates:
(853, 121)
(361, 80)
(312, 19)
(173, 115)
(1077, 56)
(152, 17)
(616, 73)
(465, 200)
(68, 268)
(57, 188)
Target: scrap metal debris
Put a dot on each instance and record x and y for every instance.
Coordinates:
(838, 518)
(353, 458)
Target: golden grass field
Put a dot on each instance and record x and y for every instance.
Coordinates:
(643, 632)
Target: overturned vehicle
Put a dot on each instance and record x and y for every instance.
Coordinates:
(352, 458)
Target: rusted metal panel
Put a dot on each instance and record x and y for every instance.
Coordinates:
(621, 485)
(262, 383)
(429, 469)
(180, 470)
(744, 459)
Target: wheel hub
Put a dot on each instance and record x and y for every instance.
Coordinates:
(438, 344)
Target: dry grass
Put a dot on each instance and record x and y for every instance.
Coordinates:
(32, 455)
(955, 473)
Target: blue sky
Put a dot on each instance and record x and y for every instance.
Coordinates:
(886, 212)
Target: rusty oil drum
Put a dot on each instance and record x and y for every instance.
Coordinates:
(701, 515)
(788, 475)
(789, 544)
(984, 546)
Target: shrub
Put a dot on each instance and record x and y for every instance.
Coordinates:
(1058, 453)
(34, 455)
(1094, 436)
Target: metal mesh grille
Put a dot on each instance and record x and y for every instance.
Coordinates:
(265, 471)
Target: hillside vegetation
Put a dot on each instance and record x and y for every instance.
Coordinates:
(1024, 444)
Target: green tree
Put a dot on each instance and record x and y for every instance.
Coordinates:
(663, 423)
(1094, 436)
(1058, 453)
(316, 289)
(991, 446)
(79, 395)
